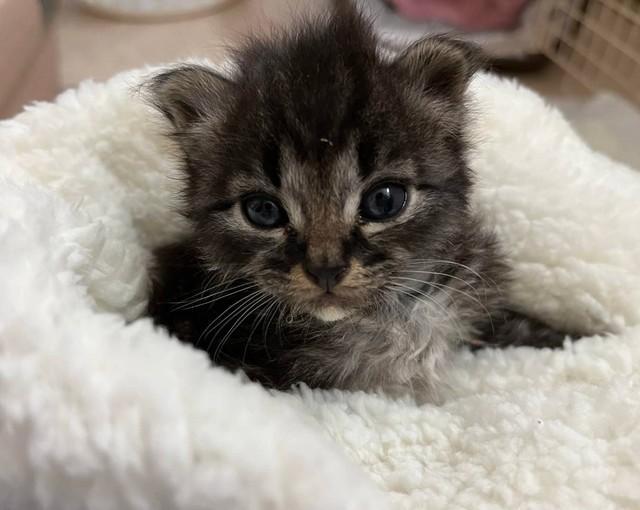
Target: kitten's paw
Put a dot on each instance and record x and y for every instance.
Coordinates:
(515, 329)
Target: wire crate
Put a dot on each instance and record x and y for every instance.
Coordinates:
(597, 42)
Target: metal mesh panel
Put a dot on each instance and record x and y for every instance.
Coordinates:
(597, 42)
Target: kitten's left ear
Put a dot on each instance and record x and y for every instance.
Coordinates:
(441, 65)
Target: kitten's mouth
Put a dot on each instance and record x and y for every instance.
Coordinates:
(331, 313)
(330, 308)
(327, 305)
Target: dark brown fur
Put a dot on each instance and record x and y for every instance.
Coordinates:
(315, 117)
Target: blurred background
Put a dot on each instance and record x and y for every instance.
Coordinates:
(583, 56)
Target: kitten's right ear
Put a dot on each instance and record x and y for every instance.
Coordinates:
(441, 65)
(188, 94)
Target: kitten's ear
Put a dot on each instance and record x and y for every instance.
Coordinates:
(188, 93)
(441, 65)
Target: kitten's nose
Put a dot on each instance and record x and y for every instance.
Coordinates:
(326, 277)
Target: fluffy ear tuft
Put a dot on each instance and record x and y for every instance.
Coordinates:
(188, 93)
(441, 65)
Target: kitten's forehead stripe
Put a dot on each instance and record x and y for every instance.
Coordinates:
(271, 162)
(318, 89)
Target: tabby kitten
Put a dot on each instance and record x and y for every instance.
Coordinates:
(332, 241)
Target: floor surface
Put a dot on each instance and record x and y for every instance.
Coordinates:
(98, 47)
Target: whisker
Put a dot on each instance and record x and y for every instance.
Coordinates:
(222, 294)
(265, 328)
(232, 309)
(279, 324)
(236, 308)
(454, 263)
(249, 310)
(439, 286)
(486, 310)
(409, 291)
(268, 306)
(401, 291)
(453, 289)
(206, 287)
(435, 273)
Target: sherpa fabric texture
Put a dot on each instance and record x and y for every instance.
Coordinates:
(99, 410)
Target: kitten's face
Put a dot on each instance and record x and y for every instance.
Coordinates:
(326, 236)
(320, 172)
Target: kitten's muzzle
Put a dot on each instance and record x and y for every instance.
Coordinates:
(326, 277)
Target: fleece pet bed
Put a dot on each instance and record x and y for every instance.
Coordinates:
(100, 410)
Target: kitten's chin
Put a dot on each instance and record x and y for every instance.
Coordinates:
(330, 313)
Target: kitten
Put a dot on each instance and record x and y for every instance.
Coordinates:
(332, 241)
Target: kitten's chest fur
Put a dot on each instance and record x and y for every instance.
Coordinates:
(389, 351)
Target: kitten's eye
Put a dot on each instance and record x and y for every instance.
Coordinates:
(264, 211)
(383, 202)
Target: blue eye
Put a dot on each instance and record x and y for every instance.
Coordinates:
(383, 202)
(264, 211)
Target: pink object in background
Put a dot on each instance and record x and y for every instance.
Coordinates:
(463, 14)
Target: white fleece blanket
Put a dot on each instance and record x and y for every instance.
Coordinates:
(99, 410)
